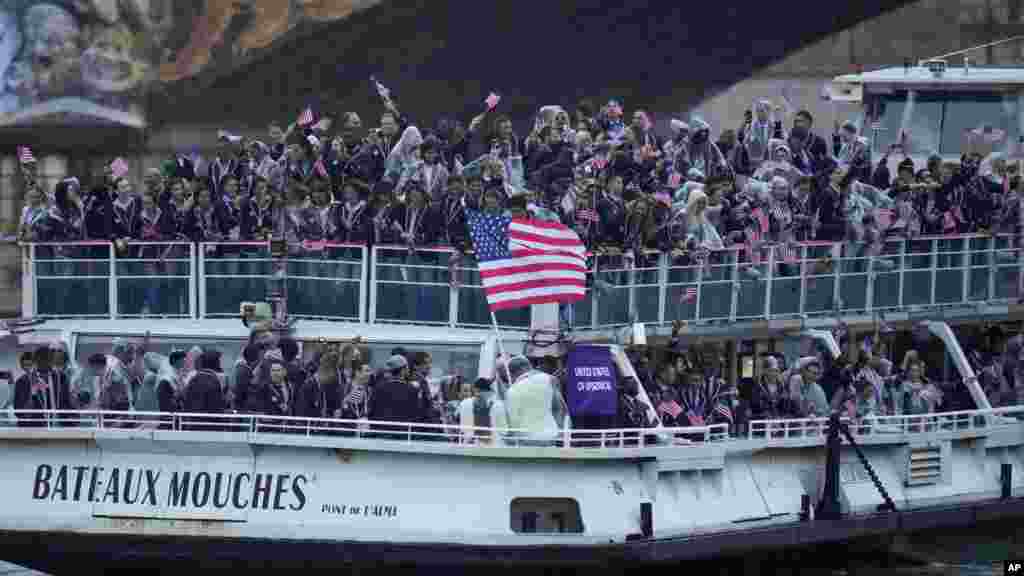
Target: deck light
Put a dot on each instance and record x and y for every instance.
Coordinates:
(936, 67)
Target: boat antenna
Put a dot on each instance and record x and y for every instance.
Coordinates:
(972, 49)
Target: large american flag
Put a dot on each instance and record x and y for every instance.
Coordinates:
(524, 261)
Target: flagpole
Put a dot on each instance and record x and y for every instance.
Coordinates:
(501, 348)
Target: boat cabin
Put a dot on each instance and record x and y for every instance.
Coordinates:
(935, 108)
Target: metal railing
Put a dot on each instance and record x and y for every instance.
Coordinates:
(93, 280)
(325, 280)
(438, 286)
(955, 421)
(772, 282)
(253, 425)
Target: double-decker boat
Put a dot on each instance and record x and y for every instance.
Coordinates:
(939, 109)
(141, 490)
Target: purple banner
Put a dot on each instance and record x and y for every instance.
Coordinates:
(591, 386)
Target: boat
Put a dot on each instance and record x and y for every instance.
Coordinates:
(933, 108)
(144, 490)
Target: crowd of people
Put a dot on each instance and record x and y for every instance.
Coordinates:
(623, 188)
(682, 385)
(270, 378)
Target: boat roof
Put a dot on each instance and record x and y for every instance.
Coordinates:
(953, 76)
(232, 328)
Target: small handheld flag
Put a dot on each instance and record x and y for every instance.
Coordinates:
(723, 411)
(323, 125)
(948, 222)
(884, 217)
(671, 408)
(690, 294)
(789, 255)
(491, 101)
(118, 168)
(25, 155)
(694, 418)
(320, 169)
(587, 215)
(762, 220)
(382, 91)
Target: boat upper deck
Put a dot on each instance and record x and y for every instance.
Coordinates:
(950, 277)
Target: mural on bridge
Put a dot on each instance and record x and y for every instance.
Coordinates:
(78, 61)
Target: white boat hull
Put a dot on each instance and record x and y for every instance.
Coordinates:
(259, 494)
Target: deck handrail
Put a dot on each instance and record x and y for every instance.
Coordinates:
(255, 426)
(774, 282)
(887, 425)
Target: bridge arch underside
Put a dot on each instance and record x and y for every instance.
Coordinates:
(445, 58)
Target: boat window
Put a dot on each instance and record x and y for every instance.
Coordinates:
(446, 359)
(940, 121)
(922, 120)
(230, 348)
(967, 112)
(546, 516)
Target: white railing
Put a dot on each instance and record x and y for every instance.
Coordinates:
(325, 280)
(92, 280)
(956, 421)
(771, 282)
(393, 284)
(251, 425)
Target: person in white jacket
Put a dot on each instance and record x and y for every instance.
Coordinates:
(483, 410)
(535, 404)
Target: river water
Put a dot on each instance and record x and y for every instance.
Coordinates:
(780, 567)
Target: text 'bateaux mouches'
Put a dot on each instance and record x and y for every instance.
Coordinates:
(178, 489)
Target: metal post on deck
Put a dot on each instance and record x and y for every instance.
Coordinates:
(828, 507)
(200, 257)
(112, 280)
(646, 519)
(364, 283)
(371, 285)
(1006, 479)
